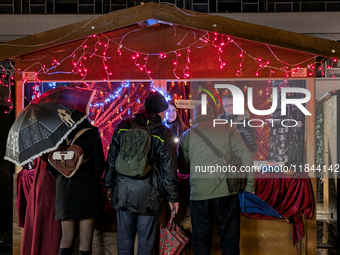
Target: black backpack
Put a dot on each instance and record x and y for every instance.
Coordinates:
(132, 159)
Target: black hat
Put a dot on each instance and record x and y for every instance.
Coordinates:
(155, 102)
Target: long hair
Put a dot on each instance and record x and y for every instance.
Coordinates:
(177, 127)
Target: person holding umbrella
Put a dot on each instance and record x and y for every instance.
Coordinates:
(38, 130)
(78, 197)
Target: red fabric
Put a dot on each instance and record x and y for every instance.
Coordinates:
(42, 232)
(24, 181)
(292, 197)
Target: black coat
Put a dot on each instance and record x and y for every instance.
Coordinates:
(145, 196)
(78, 197)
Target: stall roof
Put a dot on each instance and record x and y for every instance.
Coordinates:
(152, 13)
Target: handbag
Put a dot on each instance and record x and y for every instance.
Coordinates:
(236, 180)
(67, 159)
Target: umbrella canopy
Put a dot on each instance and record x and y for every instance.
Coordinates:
(40, 128)
(75, 98)
(250, 203)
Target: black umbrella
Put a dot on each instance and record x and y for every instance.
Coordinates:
(40, 128)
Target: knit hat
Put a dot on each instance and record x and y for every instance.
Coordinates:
(155, 102)
(198, 111)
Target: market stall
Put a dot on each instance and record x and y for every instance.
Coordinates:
(125, 54)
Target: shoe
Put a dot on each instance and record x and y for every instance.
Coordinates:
(66, 251)
(84, 252)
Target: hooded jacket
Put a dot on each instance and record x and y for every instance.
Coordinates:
(144, 196)
(194, 154)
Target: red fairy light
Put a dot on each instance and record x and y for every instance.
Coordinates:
(335, 60)
(85, 46)
(328, 67)
(85, 58)
(179, 54)
(267, 62)
(137, 55)
(175, 63)
(260, 59)
(241, 55)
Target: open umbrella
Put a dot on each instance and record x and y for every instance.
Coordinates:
(250, 203)
(75, 98)
(40, 128)
(43, 125)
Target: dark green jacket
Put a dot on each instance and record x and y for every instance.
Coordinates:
(194, 155)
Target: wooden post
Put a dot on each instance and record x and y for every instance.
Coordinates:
(309, 242)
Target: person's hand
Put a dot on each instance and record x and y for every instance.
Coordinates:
(174, 205)
(109, 195)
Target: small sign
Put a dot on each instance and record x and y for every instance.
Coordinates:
(29, 76)
(187, 104)
(299, 72)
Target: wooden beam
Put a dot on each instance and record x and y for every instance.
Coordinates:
(173, 15)
(76, 31)
(248, 31)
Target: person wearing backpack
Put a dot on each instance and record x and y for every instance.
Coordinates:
(141, 175)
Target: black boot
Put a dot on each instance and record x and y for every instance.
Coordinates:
(84, 252)
(66, 251)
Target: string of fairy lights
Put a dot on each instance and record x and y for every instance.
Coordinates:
(140, 59)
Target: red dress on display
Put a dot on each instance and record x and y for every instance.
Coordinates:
(42, 233)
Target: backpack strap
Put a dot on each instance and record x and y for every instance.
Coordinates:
(79, 134)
